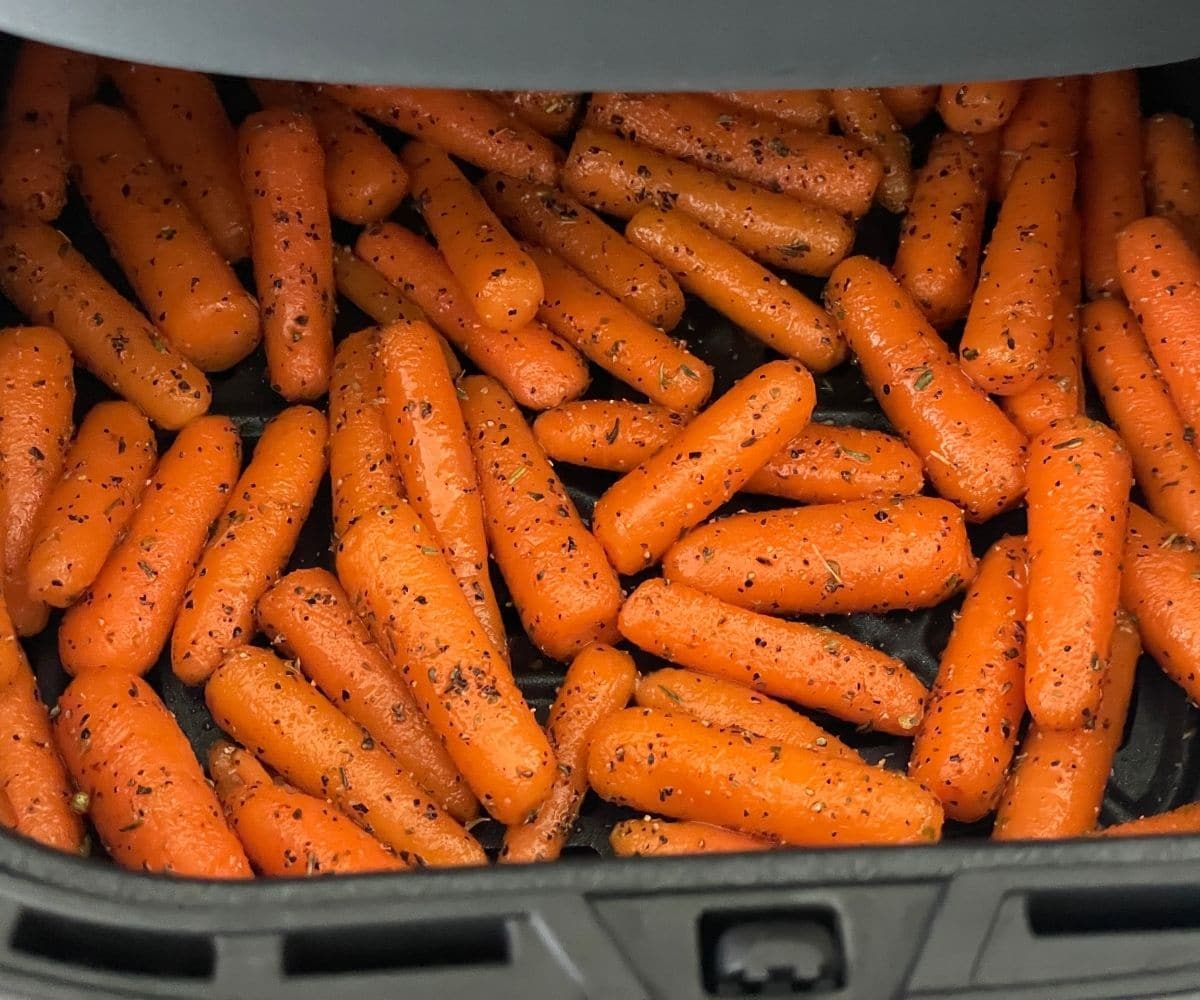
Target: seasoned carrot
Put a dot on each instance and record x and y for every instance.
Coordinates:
(285, 832)
(599, 682)
(667, 838)
(1050, 113)
(50, 281)
(464, 123)
(965, 743)
(972, 454)
(551, 112)
(83, 77)
(423, 415)
(147, 794)
(538, 368)
(33, 133)
(640, 515)
(178, 275)
(978, 107)
(732, 283)
(910, 105)
(830, 558)
(187, 128)
(554, 220)
(612, 175)
(265, 704)
(123, 620)
(618, 340)
(562, 586)
(1058, 780)
(1172, 160)
(403, 588)
(502, 282)
(1079, 481)
(937, 261)
(1009, 328)
(864, 115)
(801, 108)
(616, 435)
(836, 172)
(87, 511)
(1183, 820)
(1110, 175)
(677, 765)
(254, 539)
(308, 616)
(811, 666)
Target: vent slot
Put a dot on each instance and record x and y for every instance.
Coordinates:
(1123, 910)
(772, 952)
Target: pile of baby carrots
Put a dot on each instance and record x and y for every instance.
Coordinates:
(371, 710)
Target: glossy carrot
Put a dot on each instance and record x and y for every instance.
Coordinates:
(539, 369)
(965, 743)
(49, 280)
(1171, 157)
(616, 435)
(308, 617)
(910, 105)
(83, 77)
(551, 112)
(864, 115)
(124, 619)
(562, 586)
(599, 682)
(1050, 113)
(179, 276)
(972, 454)
(364, 286)
(33, 133)
(1181, 821)
(147, 795)
(85, 514)
(642, 514)
(801, 108)
(667, 838)
(978, 107)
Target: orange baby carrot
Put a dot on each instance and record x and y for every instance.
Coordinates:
(599, 682)
(554, 220)
(538, 368)
(1079, 480)
(1183, 820)
(1050, 113)
(666, 838)
(801, 108)
(833, 558)
(403, 588)
(285, 832)
(864, 115)
(187, 128)
(147, 794)
(33, 133)
(910, 105)
(978, 107)
(616, 435)
(1009, 328)
(615, 176)
(1172, 160)
(640, 515)
(382, 301)
(551, 112)
(123, 620)
(48, 280)
(965, 743)
(618, 340)
(104, 474)
(253, 541)
(677, 765)
(308, 616)
(181, 279)
(972, 454)
(422, 413)
(732, 283)
(263, 703)
(562, 586)
(811, 666)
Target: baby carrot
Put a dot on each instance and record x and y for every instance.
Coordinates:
(263, 703)
(33, 133)
(83, 77)
(1009, 328)
(618, 340)
(677, 765)
(910, 105)
(253, 542)
(364, 286)
(538, 368)
(830, 558)
(616, 435)
(423, 415)
(562, 586)
(972, 454)
(599, 682)
(965, 743)
(50, 281)
(864, 115)
(125, 617)
(553, 219)
(308, 616)
(765, 307)
(551, 112)
(615, 176)
(182, 281)
(800, 108)
(104, 474)
(187, 128)
(978, 107)
(1079, 480)
(640, 515)
(285, 832)
(403, 588)
(666, 838)
(1050, 113)
(811, 666)
(146, 792)
(1172, 161)
(1183, 820)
